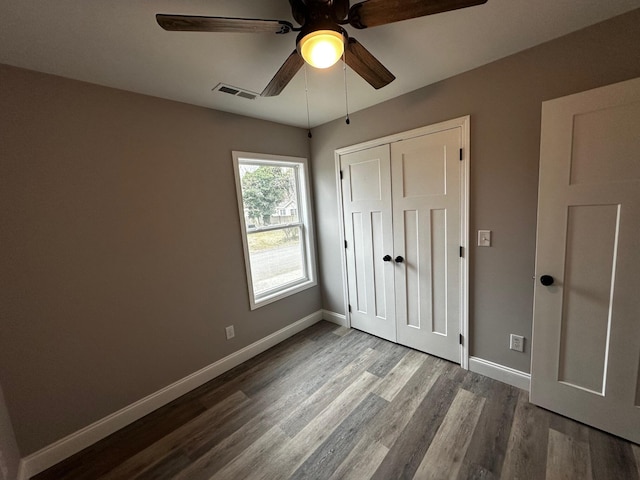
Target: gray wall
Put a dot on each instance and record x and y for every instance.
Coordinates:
(9, 454)
(504, 100)
(122, 258)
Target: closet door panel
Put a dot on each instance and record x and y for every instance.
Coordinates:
(366, 195)
(426, 174)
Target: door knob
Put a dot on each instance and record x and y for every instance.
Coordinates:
(546, 280)
(399, 259)
(386, 258)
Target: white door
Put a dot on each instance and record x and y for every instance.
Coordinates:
(402, 205)
(586, 329)
(426, 177)
(366, 199)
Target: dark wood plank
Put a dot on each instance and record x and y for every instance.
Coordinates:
(321, 398)
(272, 401)
(295, 451)
(342, 331)
(335, 358)
(391, 355)
(446, 452)
(362, 461)
(250, 464)
(476, 472)
(280, 397)
(334, 450)
(567, 457)
(397, 415)
(106, 454)
(526, 455)
(397, 377)
(611, 457)
(286, 387)
(486, 452)
(407, 452)
(222, 453)
(303, 411)
(169, 466)
(571, 428)
(210, 420)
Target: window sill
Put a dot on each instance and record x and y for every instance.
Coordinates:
(280, 294)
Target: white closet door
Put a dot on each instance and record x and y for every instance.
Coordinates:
(426, 176)
(586, 328)
(366, 195)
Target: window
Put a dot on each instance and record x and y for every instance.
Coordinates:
(278, 248)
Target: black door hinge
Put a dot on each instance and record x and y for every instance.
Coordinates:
(345, 244)
(349, 308)
(341, 177)
(461, 340)
(461, 252)
(460, 154)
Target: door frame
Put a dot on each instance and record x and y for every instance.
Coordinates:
(464, 124)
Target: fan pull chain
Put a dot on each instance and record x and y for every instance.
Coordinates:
(306, 94)
(346, 95)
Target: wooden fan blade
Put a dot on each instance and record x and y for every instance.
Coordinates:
(366, 65)
(372, 13)
(283, 76)
(193, 23)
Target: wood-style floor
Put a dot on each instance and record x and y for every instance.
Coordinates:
(332, 403)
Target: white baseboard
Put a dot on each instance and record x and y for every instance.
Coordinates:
(56, 452)
(500, 372)
(334, 317)
(22, 474)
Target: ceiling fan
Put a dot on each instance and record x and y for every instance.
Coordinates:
(321, 39)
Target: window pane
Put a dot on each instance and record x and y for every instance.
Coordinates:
(276, 258)
(269, 194)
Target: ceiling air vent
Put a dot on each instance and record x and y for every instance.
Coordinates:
(235, 91)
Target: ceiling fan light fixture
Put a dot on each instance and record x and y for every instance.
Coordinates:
(322, 48)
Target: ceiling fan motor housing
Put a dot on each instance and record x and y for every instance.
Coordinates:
(300, 9)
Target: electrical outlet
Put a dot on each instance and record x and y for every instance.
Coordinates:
(516, 343)
(230, 332)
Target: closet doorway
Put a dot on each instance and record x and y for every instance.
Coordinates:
(404, 206)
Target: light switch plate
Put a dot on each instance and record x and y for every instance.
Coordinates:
(484, 238)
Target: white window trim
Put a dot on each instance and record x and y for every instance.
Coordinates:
(304, 215)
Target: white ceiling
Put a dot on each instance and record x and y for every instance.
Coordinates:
(118, 43)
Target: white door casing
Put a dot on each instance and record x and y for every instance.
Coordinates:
(586, 329)
(426, 197)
